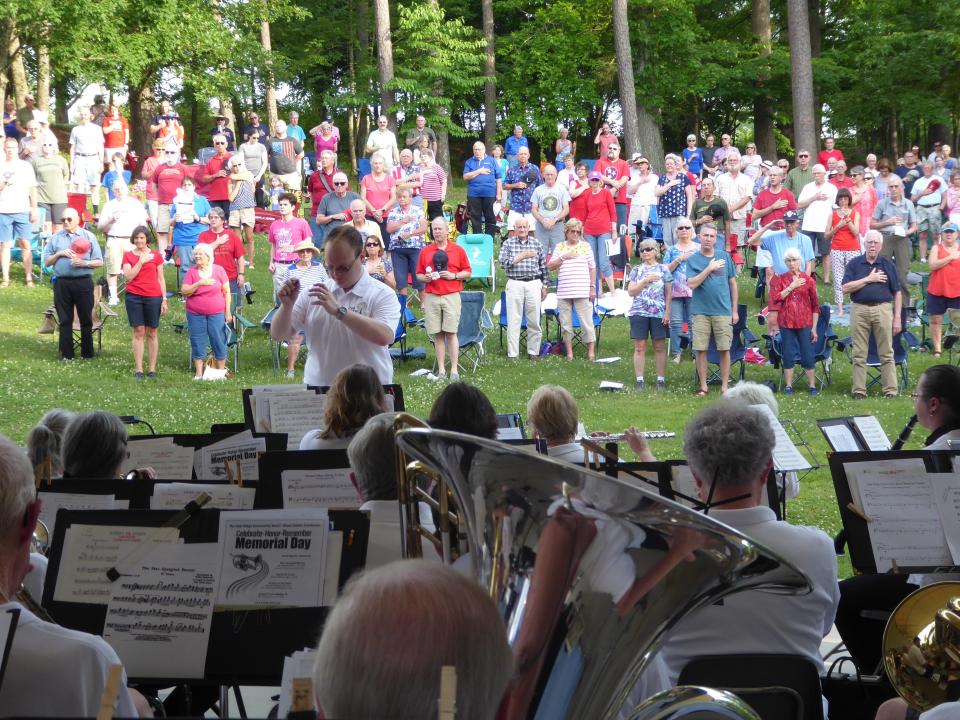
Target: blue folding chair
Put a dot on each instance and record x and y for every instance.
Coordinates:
(363, 169)
(822, 350)
(399, 350)
(742, 337)
(475, 322)
(503, 320)
(900, 356)
(479, 250)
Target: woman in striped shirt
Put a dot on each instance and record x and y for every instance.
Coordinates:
(576, 285)
(434, 185)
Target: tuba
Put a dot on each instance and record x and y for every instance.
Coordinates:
(921, 646)
(589, 572)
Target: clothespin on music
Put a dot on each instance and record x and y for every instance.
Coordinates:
(858, 511)
(447, 705)
(110, 692)
(43, 471)
(233, 478)
(302, 707)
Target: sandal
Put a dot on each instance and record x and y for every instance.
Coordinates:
(30, 284)
(936, 354)
(702, 393)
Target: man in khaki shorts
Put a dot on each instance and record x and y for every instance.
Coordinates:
(443, 267)
(712, 276)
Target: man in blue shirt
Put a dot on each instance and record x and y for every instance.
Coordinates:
(874, 291)
(693, 156)
(294, 130)
(522, 179)
(777, 243)
(712, 276)
(483, 188)
(74, 253)
(513, 145)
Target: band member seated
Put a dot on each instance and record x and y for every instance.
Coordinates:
(394, 629)
(51, 671)
(937, 404)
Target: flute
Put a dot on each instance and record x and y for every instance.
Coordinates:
(618, 437)
(904, 434)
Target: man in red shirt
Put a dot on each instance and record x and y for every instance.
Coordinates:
(319, 185)
(443, 267)
(116, 133)
(216, 176)
(773, 202)
(616, 175)
(167, 177)
(829, 151)
(228, 251)
(840, 179)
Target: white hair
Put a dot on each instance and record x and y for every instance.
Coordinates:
(754, 393)
(392, 631)
(17, 490)
(792, 254)
(728, 443)
(204, 248)
(373, 458)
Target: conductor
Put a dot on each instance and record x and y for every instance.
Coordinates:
(350, 318)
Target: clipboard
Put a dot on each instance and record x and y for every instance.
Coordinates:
(275, 633)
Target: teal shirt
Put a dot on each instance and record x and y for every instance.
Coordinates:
(712, 296)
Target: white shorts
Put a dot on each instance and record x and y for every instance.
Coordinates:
(86, 170)
(512, 218)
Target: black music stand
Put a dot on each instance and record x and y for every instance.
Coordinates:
(272, 464)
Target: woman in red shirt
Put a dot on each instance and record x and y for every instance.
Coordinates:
(599, 225)
(578, 192)
(844, 234)
(145, 299)
(794, 296)
(943, 292)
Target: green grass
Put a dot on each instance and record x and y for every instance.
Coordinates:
(32, 380)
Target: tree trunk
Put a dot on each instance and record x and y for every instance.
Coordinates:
(18, 72)
(226, 109)
(815, 19)
(762, 107)
(194, 122)
(650, 135)
(140, 98)
(894, 137)
(801, 77)
(360, 115)
(6, 30)
(60, 94)
(628, 93)
(490, 70)
(381, 14)
(43, 72)
(270, 91)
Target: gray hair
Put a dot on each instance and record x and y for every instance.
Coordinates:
(219, 136)
(873, 235)
(46, 437)
(553, 413)
(373, 458)
(671, 156)
(728, 443)
(217, 212)
(204, 247)
(17, 491)
(754, 393)
(792, 254)
(396, 627)
(94, 446)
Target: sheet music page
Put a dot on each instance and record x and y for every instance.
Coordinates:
(242, 446)
(509, 433)
(272, 558)
(786, 457)
(51, 502)
(320, 488)
(89, 551)
(260, 399)
(296, 415)
(331, 579)
(159, 619)
(946, 492)
(904, 526)
(174, 496)
(872, 432)
(840, 437)
(171, 461)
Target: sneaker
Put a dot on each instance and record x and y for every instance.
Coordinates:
(891, 395)
(859, 396)
(290, 374)
(151, 376)
(676, 359)
(113, 302)
(812, 392)
(640, 384)
(454, 377)
(138, 375)
(661, 385)
(788, 390)
(441, 376)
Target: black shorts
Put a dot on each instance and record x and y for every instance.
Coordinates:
(143, 310)
(54, 211)
(642, 326)
(938, 304)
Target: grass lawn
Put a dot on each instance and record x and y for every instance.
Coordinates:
(32, 380)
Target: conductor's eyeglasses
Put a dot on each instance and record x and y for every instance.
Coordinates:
(340, 269)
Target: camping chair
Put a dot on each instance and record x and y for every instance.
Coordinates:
(554, 313)
(479, 250)
(917, 309)
(742, 337)
(78, 202)
(777, 687)
(502, 307)
(822, 350)
(101, 314)
(474, 324)
(398, 348)
(364, 168)
(37, 241)
(951, 333)
(873, 357)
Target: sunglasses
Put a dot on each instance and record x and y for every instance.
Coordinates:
(339, 184)
(70, 219)
(647, 249)
(219, 143)
(372, 244)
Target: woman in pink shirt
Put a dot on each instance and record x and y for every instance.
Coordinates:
(207, 292)
(576, 285)
(379, 193)
(864, 197)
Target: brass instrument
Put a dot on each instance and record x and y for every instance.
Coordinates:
(921, 646)
(583, 565)
(904, 434)
(40, 542)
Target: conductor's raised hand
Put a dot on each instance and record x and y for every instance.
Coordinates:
(324, 297)
(289, 292)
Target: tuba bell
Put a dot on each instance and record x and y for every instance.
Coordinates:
(589, 573)
(921, 646)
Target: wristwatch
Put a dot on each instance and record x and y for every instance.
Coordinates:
(341, 312)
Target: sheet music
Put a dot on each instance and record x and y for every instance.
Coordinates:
(946, 492)
(786, 457)
(174, 496)
(89, 551)
(840, 437)
(872, 433)
(509, 433)
(296, 415)
(159, 619)
(331, 579)
(319, 488)
(260, 398)
(298, 665)
(272, 558)
(171, 461)
(51, 502)
(242, 446)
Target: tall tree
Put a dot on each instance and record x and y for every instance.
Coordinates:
(801, 77)
(763, 134)
(385, 60)
(18, 72)
(43, 69)
(269, 79)
(490, 71)
(628, 92)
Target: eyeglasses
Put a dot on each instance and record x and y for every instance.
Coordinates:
(803, 155)
(70, 219)
(574, 232)
(372, 244)
(868, 177)
(339, 184)
(305, 250)
(340, 269)
(219, 143)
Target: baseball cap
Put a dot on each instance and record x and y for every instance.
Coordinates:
(340, 177)
(636, 157)
(949, 226)
(594, 176)
(791, 216)
(767, 164)
(934, 184)
(81, 246)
